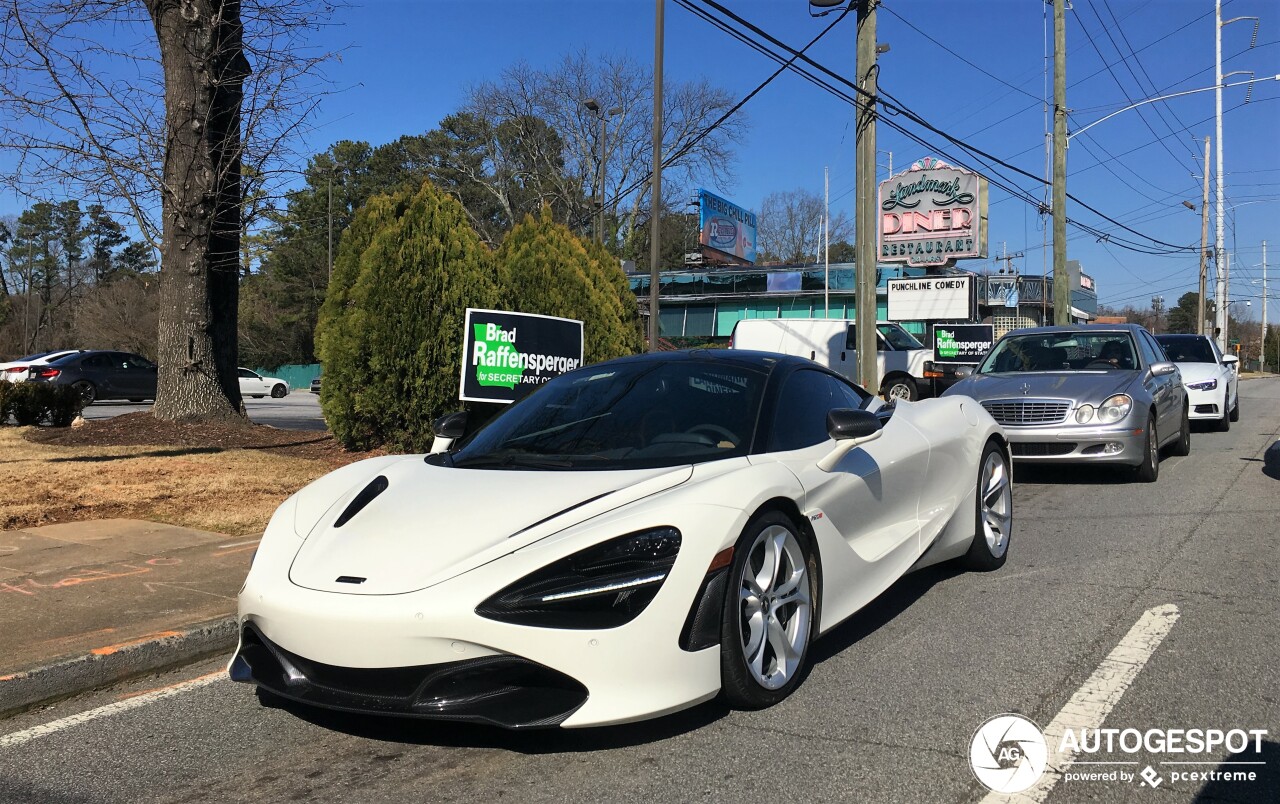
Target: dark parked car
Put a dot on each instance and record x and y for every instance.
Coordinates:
(102, 375)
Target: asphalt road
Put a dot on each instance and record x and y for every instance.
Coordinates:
(887, 713)
(300, 410)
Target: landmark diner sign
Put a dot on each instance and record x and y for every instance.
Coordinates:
(933, 214)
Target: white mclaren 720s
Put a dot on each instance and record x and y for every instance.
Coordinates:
(630, 539)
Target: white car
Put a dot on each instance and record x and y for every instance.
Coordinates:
(257, 386)
(1211, 378)
(16, 370)
(631, 539)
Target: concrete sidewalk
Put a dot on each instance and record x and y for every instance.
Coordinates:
(85, 604)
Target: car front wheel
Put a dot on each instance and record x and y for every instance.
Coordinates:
(1235, 409)
(990, 546)
(1149, 469)
(278, 391)
(769, 609)
(1183, 445)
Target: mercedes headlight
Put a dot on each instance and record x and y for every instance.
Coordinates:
(604, 586)
(1207, 385)
(1083, 414)
(1115, 408)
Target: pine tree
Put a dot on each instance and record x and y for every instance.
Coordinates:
(390, 330)
(547, 270)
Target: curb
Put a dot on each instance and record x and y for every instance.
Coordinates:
(108, 665)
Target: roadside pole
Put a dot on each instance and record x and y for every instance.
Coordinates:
(1204, 238)
(655, 194)
(865, 214)
(1061, 282)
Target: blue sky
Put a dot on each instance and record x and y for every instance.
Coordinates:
(410, 63)
(972, 69)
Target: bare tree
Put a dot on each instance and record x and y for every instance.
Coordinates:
(789, 227)
(159, 108)
(557, 97)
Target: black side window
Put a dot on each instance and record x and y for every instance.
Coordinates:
(96, 362)
(801, 417)
(1151, 351)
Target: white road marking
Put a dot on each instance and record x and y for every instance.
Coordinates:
(44, 730)
(238, 544)
(1094, 701)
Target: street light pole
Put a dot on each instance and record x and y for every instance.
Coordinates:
(1204, 237)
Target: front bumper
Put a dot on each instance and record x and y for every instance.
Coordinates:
(1206, 404)
(1061, 443)
(428, 654)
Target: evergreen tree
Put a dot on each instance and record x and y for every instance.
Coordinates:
(390, 329)
(547, 270)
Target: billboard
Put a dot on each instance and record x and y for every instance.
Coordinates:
(726, 229)
(507, 355)
(931, 298)
(932, 214)
(961, 343)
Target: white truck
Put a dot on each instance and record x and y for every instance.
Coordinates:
(906, 366)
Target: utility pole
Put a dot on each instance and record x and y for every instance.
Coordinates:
(330, 184)
(1157, 307)
(1263, 350)
(826, 240)
(656, 186)
(1008, 258)
(1204, 238)
(1061, 282)
(1220, 293)
(865, 215)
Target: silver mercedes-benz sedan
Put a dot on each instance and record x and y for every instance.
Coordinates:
(1097, 393)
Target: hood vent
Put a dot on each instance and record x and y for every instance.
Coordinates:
(376, 486)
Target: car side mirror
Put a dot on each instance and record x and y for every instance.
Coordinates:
(1162, 369)
(1230, 360)
(451, 425)
(849, 428)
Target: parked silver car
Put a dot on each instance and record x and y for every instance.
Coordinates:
(1084, 394)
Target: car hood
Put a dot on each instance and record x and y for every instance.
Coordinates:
(1085, 386)
(432, 523)
(1198, 372)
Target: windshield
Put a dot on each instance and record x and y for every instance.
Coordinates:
(1188, 349)
(1061, 351)
(898, 337)
(625, 416)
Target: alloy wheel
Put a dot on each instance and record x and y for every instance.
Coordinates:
(775, 607)
(997, 503)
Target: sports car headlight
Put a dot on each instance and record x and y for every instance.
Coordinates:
(1115, 408)
(604, 586)
(1084, 413)
(1207, 385)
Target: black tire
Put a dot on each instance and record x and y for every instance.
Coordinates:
(1149, 470)
(900, 386)
(740, 685)
(88, 392)
(1223, 424)
(1183, 445)
(135, 401)
(1235, 409)
(257, 396)
(994, 512)
(280, 390)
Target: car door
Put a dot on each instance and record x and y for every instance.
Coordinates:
(1166, 390)
(872, 496)
(96, 368)
(142, 375)
(251, 383)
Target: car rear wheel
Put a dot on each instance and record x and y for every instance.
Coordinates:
(769, 608)
(1183, 445)
(1149, 469)
(900, 386)
(279, 391)
(87, 391)
(990, 546)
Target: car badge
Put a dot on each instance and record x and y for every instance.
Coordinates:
(1026, 388)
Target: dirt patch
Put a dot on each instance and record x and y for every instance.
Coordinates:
(143, 429)
(207, 476)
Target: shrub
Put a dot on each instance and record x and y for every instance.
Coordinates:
(34, 403)
(390, 331)
(6, 392)
(548, 270)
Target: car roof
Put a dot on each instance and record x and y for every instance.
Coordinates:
(747, 358)
(1064, 329)
(1179, 336)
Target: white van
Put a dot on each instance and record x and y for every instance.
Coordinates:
(905, 365)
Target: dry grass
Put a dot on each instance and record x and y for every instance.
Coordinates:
(232, 491)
